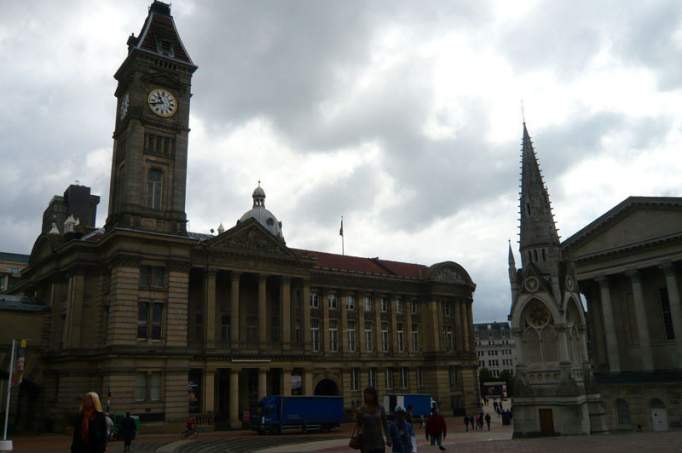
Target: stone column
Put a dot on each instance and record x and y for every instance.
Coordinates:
(434, 314)
(324, 328)
(262, 313)
(234, 311)
(469, 326)
(286, 313)
(308, 381)
(675, 307)
(642, 323)
(393, 334)
(262, 383)
(360, 326)
(74, 311)
(407, 310)
(343, 328)
(307, 345)
(209, 308)
(209, 390)
(459, 325)
(286, 381)
(234, 398)
(377, 325)
(610, 331)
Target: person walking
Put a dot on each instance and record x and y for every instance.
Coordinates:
(371, 424)
(110, 426)
(401, 432)
(487, 420)
(128, 430)
(436, 428)
(409, 416)
(90, 429)
(466, 423)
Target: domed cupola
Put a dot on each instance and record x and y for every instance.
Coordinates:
(262, 215)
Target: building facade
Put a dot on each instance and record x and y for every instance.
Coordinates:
(11, 265)
(165, 323)
(494, 347)
(552, 388)
(628, 267)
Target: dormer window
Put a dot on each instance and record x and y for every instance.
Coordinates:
(165, 48)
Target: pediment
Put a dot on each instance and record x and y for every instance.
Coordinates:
(632, 223)
(44, 248)
(449, 272)
(249, 237)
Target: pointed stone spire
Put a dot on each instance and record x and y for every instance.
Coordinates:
(539, 238)
(511, 260)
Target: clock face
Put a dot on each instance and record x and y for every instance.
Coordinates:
(162, 102)
(537, 315)
(125, 102)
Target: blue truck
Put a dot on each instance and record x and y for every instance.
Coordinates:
(421, 403)
(276, 414)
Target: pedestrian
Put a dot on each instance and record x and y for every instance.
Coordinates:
(90, 429)
(472, 422)
(128, 430)
(436, 429)
(371, 424)
(110, 426)
(409, 416)
(401, 432)
(487, 420)
(466, 423)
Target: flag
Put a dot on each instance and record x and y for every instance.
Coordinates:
(341, 229)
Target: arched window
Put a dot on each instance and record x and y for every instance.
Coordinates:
(622, 412)
(154, 188)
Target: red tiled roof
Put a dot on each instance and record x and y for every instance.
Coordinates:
(333, 261)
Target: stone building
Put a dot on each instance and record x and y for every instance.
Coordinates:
(164, 322)
(494, 347)
(11, 265)
(627, 263)
(552, 389)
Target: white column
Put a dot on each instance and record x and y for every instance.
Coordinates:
(675, 308)
(262, 313)
(642, 323)
(609, 329)
(234, 311)
(262, 383)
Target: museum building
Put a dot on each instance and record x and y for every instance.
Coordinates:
(165, 323)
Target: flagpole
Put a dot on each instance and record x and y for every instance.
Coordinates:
(343, 239)
(9, 387)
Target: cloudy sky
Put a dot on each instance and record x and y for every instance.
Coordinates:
(402, 116)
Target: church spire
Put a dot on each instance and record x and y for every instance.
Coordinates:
(539, 238)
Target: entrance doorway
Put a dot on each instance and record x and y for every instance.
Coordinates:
(546, 421)
(327, 387)
(659, 415)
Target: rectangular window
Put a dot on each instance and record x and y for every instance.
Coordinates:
(372, 377)
(398, 306)
(403, 378)
(401, 338)
(413, 307)
(452, 376)
(225, 329)
(420, 377)
(333, 335)
(384, 337)
(154, 380)
(415, 339)
(351, 336)
(667, 315)
(367, 302)
(350, 303)
(355, 379)
(388, 378)
(332, 302)
(152, 277)
(154, 188)
(369, 337)
(384, 305)
(298, 338)
(314, 300)
(315, 334)
(140, 386)
(149, 320)
(450, 340)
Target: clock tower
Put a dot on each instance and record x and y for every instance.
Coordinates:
(149, 165)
